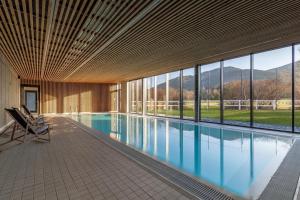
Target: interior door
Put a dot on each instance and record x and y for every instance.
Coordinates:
(31, 98)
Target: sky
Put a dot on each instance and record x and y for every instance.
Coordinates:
(273, 59)
(263, 61)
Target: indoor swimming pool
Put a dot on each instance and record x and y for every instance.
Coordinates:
(238, 161)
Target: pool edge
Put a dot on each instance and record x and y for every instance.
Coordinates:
(284, 182)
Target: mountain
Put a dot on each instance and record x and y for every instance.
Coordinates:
(234, 74)
(188, 83)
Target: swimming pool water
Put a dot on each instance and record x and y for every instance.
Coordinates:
(241, 162)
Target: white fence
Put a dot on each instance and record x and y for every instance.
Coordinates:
(228, 104)
(261, 104)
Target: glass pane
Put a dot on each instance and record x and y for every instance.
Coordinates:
(210, 92)
(236, 78)
(139, 96)
(132, 97)
(188, 89)
(113, 96)
(123, 97)
(297, 88)
(120, 97)
(150, 95)
(173, 94)
(129, 97)
(31, 101)
(161, 95)
(272, 89)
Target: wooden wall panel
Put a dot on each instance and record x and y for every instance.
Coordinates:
(61, 97)
(9, 90)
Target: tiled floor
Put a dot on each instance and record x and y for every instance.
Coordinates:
(75, 166)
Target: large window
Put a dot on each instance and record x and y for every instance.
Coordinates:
(236, 91)
(136, 96)
(173, 94)
(188, 92)
(297, 88)
(161, 105)
(132, 97)
(272, 89)
(123, 97)
(114, 100)
(150, 95)
(139, 96)
(210, 92)
(261, 82)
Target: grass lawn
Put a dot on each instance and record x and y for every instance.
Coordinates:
(277, 117)
(273, 117)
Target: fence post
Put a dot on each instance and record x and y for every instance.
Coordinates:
(239, 104)
(167, 92)
(207, 104)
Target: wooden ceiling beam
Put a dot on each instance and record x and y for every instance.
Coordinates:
(79, 20)
(121, 19)
(11, 39)
(100, 9)
(23, 33)
(109, 41)
(119, 33)
(52, 10)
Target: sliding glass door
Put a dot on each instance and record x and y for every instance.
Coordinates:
(188, 93)
(272, 89)
(150, 95)
(210, 92)
(236, 91)
(136, 96)
(161, 105)
(139, 96)
(132, 97)
(297, 87)
(173, 94)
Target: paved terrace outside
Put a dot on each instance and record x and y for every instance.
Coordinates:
(75, 165)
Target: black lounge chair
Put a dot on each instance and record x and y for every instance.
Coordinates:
(25, 124)
(38, 120)
(33, 122)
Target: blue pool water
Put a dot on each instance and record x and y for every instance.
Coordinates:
(239, 162)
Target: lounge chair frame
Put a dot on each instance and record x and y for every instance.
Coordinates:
(12, 137)
(29, 114)
(29, 128)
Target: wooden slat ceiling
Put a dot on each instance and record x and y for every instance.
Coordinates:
(111, 41)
